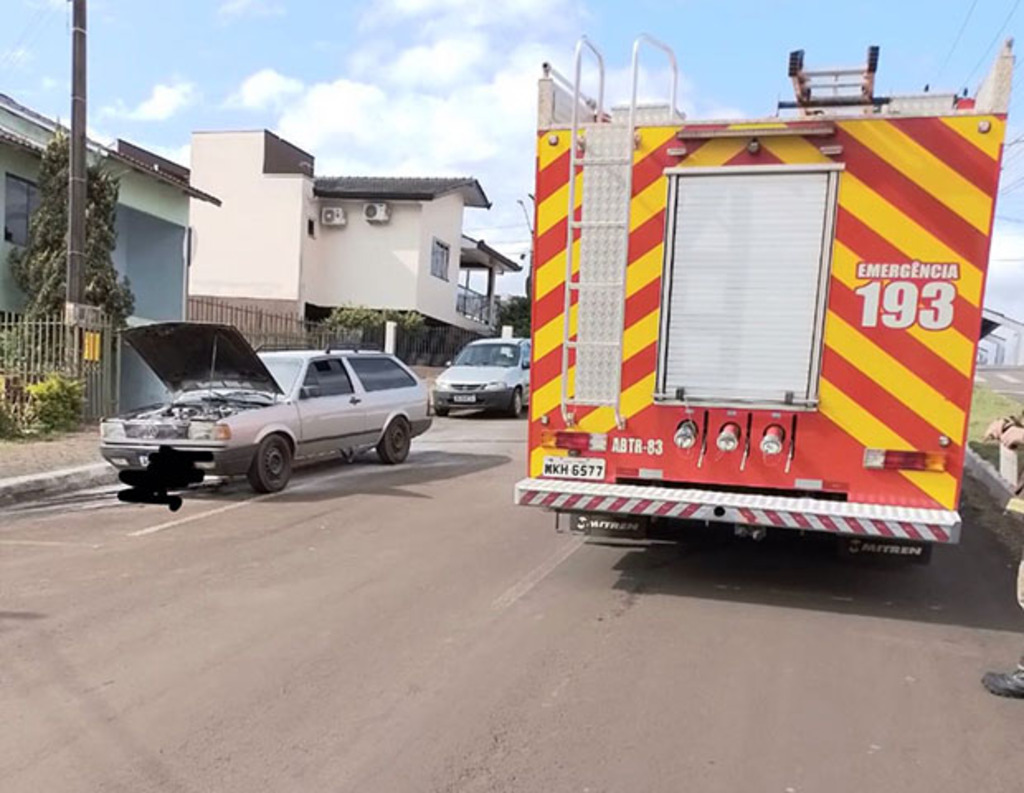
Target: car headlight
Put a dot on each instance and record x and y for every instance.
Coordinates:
(112, 431)
(442, 385)
(495, 386)
(208, 431)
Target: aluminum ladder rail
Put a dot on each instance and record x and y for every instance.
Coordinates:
(604, 241)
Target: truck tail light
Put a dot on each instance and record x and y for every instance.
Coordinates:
(575, 441)
(773, 439)
(686, 435)
(729, 437)
(879, 459)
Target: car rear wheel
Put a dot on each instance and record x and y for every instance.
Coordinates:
(394, 446)
(271, 466)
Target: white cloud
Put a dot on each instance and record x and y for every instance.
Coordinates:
(261, 8)
(163, 102)
(264, 89)
(49, 83)
(456, 99)
(439, 64)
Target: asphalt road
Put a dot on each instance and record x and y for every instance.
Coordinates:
(1004, 379)
(408, 629)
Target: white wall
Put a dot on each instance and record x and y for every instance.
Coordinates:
(251, 246)
(367, 264)
(435, 297)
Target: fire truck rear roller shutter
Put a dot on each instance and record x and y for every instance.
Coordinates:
(748, 257)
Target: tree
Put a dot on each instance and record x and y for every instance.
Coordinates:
(40, 268)
(515, 311)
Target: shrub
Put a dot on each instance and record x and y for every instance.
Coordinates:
(362, 318)
(10, 425)
(56, 403)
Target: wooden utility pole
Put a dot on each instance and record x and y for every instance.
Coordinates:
(77, 181)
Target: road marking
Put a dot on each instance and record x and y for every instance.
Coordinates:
(537, 574)
(1007, 378)
(50, 543)
(190, 518)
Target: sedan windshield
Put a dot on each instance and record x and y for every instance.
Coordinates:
(284, 370)
(489, 355)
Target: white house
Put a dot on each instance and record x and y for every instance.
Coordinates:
(288, 241)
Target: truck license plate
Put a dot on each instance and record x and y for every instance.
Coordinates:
(464, 399)
(574, 468)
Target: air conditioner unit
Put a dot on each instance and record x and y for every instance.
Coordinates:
(332, 216)
(376, 213)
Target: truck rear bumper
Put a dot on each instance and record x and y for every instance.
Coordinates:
(802, 514)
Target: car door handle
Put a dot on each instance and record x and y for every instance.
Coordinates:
(354, 400)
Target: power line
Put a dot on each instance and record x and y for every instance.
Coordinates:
(956, 40)
(995, 38)
(28, 35)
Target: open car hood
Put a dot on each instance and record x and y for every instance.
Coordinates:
(190, 355)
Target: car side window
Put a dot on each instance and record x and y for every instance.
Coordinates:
(380, 374)
(311, 383)
(525, 355)
(332, 377)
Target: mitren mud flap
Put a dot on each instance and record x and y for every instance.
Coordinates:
(873, 524)
(889, 550)
(625, 527)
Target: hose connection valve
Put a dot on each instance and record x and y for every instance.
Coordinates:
(773, 439)
(729, 437)
(686, 435)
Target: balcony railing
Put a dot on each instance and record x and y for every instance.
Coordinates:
(474, 305)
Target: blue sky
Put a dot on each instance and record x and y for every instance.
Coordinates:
(448, 86)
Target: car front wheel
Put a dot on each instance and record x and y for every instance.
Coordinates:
(271, 466)
(515, 408)
(394, 446)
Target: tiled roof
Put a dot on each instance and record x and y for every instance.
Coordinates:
(399, 188)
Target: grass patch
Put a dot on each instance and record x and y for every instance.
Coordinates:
(986, 407)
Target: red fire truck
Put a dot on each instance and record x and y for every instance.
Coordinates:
(769, 323)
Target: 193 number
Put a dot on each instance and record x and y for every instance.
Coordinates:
(900, 304)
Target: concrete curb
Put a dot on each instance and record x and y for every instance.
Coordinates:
(49, 483)
(983, 471)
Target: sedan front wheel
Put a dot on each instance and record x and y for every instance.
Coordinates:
(271, 466)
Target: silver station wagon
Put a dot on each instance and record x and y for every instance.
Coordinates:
(258, 412)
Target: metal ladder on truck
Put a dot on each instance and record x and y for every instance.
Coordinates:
(602, 149)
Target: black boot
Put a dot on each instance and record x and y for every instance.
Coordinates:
(1005, 684)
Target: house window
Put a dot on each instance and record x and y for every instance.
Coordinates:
(439, 255)
(21, 198)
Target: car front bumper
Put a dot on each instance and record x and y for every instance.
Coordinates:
(488, 400)
(227, 461)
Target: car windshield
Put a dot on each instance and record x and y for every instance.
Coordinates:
(489, 355)
(284, 370)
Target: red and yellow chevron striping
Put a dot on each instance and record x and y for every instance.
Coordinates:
(911, 190)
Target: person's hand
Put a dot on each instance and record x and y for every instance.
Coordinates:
(1012, 437)
(995, 430)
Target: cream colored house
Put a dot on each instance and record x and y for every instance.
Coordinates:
(288, 241)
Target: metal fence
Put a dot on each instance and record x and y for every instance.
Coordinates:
(33, 349)
(271, 330)
(432, 345)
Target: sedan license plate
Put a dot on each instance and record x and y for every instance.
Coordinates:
(574, 468)
(464, 399)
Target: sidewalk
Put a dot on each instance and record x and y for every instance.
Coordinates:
(36, 468)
